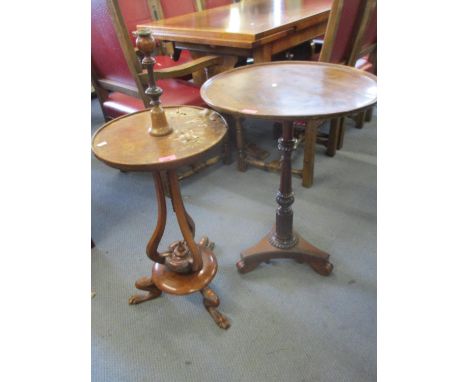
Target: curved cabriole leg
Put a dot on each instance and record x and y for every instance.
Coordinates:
(211, 302)
(152, 246)
(186, 224)
(190, 222)
(205, 242)
(144, 283)
(189, 219)
(246, 265)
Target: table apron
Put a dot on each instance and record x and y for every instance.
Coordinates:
(279, 42)
(297, 37)
(214, 49)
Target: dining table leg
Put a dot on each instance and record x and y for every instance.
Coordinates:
(200, 76)
(262, 53)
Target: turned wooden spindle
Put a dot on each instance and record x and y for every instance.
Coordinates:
(159, 125)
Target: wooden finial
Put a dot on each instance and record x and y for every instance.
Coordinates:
(146, 44)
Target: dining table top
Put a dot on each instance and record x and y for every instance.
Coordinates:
(291, 90)
(246, 24)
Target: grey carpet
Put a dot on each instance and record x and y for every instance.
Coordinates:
(288, 323)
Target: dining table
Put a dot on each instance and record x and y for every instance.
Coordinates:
(250, 28)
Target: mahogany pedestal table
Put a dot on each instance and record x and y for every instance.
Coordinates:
(288, 91)
(125, 144)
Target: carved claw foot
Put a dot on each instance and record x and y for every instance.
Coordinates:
(211, 302)
(244, 266)
(205, 242)
(144, 283)
(322, 267)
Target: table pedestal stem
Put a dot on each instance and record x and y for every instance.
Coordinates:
(283, 242)
(284, 237)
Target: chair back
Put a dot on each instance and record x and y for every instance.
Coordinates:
(369, 40)
(108, 62)
(343, 30)
(208, 4)
(114, 64)
(135, 12)
(171, 8)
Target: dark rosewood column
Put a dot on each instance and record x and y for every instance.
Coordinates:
(283, 237)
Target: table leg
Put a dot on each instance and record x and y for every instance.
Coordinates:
(241, 163)
(283, 242)
(186, 224)
(211, 303)
(262, 54)
(200, 76)
(360, 118)
(152, 246)
(333, 137)
(175, 277)
(309, 154)
(369, 114)
(145, 283)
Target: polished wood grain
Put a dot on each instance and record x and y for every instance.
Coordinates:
(240, 24)
(291, 90)
(253, 28)
(124, 143)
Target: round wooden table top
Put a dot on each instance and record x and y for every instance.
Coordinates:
(290, 90)
(126, 144)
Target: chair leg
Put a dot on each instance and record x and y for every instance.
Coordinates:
(341, 131)
(227, 157)
(369, 114)
(309, 154)
(360, 117)
(333, 137)
(276, 131)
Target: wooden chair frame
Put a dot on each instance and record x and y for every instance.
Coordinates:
(201, 4)
(336, 135)
(140, 75)
(158, 12)
(336, 125)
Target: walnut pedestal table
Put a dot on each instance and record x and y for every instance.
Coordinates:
(285, 92)
(124, 143)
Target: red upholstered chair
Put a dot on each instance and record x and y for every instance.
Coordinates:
(366, 51)
(117, 75)
(342, 43)
(208, 4)
(136, 12)
(172, 8)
